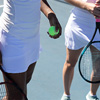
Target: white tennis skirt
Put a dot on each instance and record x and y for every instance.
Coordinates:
(18, 54)
(79, 29)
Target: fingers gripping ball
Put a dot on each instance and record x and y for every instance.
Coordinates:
(52, 31)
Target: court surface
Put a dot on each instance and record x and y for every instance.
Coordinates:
(46, 83)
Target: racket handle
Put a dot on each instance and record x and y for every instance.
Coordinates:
(98, 24)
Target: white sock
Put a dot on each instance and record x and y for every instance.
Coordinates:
(92, 95)
(66, 95)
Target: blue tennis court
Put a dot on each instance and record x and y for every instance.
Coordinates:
(47, 83)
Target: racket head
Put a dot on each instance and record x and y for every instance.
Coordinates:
(89, 63)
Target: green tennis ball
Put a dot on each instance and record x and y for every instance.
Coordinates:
(52, 31)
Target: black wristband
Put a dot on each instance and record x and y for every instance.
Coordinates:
(51, 15)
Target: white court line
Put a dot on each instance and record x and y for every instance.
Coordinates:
(1, 6)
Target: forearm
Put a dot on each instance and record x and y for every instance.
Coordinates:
(79, 3)
(48, 12)
(45, 8)
(45, 1)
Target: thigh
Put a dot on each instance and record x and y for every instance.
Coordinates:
(20, 80)
(72, 56)
(95, 53)
(95, 60)
(30, 72)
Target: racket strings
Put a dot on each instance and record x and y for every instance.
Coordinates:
(2, 92)
(96, 63)
(90, 65)
(96, 67)
(85, 64)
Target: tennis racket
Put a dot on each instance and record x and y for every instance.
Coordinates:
(89, 60)
(4, 94)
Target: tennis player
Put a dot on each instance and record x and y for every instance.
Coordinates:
(20, 38)
(78, 32)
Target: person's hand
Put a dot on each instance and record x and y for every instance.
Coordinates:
(98, 2)
(98, 7)
(54, 22)
(94, 8)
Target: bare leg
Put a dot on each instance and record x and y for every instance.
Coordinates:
(68, 69)
(94, 87)
(22, 79)
(30, 72)
(4, 98)
(12, 92)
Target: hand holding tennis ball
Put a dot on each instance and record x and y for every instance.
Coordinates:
(55, 29)
(52, 31)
